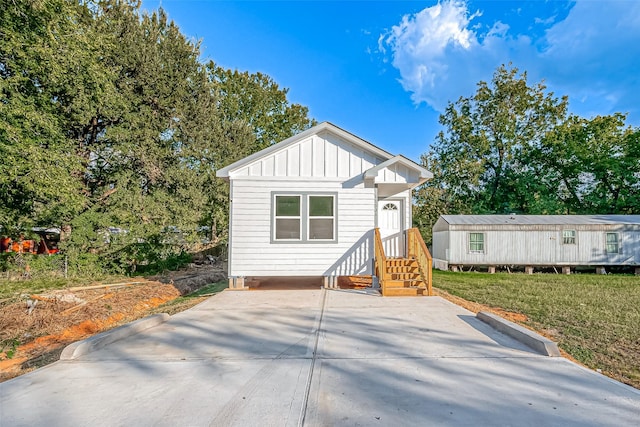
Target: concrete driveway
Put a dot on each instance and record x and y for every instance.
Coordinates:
(317, 358)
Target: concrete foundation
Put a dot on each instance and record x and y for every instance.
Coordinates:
(492, 269)
(566, 270)
(528, 269)
(601, 270)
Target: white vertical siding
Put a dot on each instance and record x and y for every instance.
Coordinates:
(396, 173)
(441, 245)
(253, 253)
(319, 157)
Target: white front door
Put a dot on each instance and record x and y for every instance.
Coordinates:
(390, 225)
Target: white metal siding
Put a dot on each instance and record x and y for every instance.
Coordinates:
(325, 156)
(441, 244)
(538, 247)
(253, 253)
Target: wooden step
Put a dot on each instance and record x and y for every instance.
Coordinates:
(401, 262)
(415, 271)
(414, 275)
(404, 292)
(411, 283)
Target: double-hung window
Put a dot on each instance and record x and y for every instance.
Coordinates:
(568, 237)
(476, 243)
(612, 243)
(321, 217)
(288, 217)
(304, 217)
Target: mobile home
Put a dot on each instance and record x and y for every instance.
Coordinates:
(531, 241)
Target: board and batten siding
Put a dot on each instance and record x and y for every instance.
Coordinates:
(537, 245)
(397, 174)
(254, 254)
(318, 156)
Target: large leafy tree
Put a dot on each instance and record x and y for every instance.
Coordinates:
(256, 100)
(255, 113)
(592, 166)
(111, 122)
(484, 153)
(38, 45)
(512, 148)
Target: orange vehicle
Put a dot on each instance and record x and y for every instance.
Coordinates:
(47, 244)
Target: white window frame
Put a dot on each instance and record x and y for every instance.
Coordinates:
(276, 217)
(305, 216)
(618, 243)
(569, 240)
(484, 243)
(332, 217)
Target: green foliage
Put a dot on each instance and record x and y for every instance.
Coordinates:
(114, 130)
(512, 147)
(592, 166)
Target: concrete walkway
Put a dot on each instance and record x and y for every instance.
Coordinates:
(247, 359)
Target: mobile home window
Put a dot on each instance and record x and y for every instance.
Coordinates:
(476, 243)
(612, 243)
(287, 217)
(569, 237)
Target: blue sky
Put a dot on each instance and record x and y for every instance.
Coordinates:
(385, 70)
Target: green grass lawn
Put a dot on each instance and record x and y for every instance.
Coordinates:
(594, 318)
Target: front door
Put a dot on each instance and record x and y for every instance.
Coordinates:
(390, 225)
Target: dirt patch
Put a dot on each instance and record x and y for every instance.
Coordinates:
(35, 328)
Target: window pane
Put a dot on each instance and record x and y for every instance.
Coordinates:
(321, 229)
(476, 242)
(612, 243)
(288, 229)
(320, 205)
(287, 205)
(569, 237)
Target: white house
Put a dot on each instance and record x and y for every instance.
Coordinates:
(536, 240)
(308, 206)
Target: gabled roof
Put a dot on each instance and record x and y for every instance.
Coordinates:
(399, 159)
(322, 127)
(540, 219)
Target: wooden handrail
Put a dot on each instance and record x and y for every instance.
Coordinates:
(380, 261)
(418, 250)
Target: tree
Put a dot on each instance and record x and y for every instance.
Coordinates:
(38, 164)
(257, 100)
(485, 148)
(113, 129)
(484, 160)
(592, 166)
(255, 113)
(512, 148)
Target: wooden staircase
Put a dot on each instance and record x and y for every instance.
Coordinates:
(404, 276)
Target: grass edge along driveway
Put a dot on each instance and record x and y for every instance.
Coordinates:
(594, 318)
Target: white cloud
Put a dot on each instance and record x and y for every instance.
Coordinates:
(421, 43)
(592, 55)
